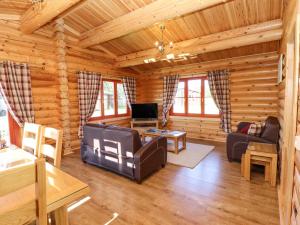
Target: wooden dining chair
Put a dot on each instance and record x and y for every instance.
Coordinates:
(50, 145)
(23, 194)
(31, 136)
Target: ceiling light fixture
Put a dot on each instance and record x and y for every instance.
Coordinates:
(38, 4)
(160, 44)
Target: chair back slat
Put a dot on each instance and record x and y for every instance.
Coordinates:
(47, 137)
(31, 134)
(23, 197)
(48, 150)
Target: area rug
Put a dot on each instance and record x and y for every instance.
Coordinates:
(191, 156)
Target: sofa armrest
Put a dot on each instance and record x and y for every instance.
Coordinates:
(150, 158)
(150, 148)
(237, 144)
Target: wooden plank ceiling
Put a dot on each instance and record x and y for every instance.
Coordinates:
(94, 13)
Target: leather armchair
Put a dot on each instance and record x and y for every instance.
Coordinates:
(237, 142)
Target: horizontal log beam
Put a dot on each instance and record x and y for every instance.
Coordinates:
(35, 18)
(253, 34)
(146, 16)
(216, 64)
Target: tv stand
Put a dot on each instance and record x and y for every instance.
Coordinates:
(143, 125)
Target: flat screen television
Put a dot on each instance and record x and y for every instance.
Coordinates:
(144, 111)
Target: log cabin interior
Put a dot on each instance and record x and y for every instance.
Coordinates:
(149, 112)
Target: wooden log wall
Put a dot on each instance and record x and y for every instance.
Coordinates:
(254, 92)
(77, 60)
(288, 193)
(63, 88)
(40, 52)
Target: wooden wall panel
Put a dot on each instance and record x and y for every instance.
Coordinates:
(254, 93)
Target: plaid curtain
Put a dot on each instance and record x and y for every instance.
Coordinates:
(129, 86)
(88, 91)
(169, 93)
(219, 87)
(15, 87)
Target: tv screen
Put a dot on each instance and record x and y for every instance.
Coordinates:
(144, 111)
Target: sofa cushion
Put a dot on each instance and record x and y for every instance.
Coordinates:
(271, 130)
(255, 129)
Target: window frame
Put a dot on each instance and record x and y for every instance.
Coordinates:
(202, 100)
(116, 114)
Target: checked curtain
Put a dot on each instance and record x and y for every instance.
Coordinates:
(15, 87)
(129, 86)
(88, 91)
(219, 87)
(169, 93)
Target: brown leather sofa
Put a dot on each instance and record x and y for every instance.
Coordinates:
(237, 142)
(121, 150)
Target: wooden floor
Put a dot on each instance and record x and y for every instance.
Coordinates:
(212, 193)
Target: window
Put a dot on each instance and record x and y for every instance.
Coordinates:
(111, 101)
(193, 98)
(4, 124)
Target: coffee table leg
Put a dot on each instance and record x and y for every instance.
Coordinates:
(176, 145)
(273, 171)
(61, 216)
(184, 142)
(247, 165)
(143, 137)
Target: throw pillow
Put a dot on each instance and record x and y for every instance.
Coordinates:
(255, 129)
(245, 129)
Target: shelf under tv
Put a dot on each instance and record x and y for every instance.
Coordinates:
(142, 125)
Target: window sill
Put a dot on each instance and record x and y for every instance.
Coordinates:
(195, 117)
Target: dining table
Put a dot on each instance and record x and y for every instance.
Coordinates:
(62, 189)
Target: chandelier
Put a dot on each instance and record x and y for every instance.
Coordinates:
(160, 44)
(38, 4)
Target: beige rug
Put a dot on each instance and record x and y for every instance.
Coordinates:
(191, 156)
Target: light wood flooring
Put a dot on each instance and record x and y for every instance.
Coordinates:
(212, 193)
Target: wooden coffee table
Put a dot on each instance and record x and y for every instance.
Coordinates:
(175, 136)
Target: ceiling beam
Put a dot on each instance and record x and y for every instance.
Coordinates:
(141, 18)
(4, 16)
(35, 18)
(253, 34)
(228, 63)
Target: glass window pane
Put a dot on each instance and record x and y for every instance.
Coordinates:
(4, 126)
(178, 106)
(180, 90)
(194, 88)
(97, 112)
(194, 105)
(122, 104)
(210, 106)
(108, 94)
